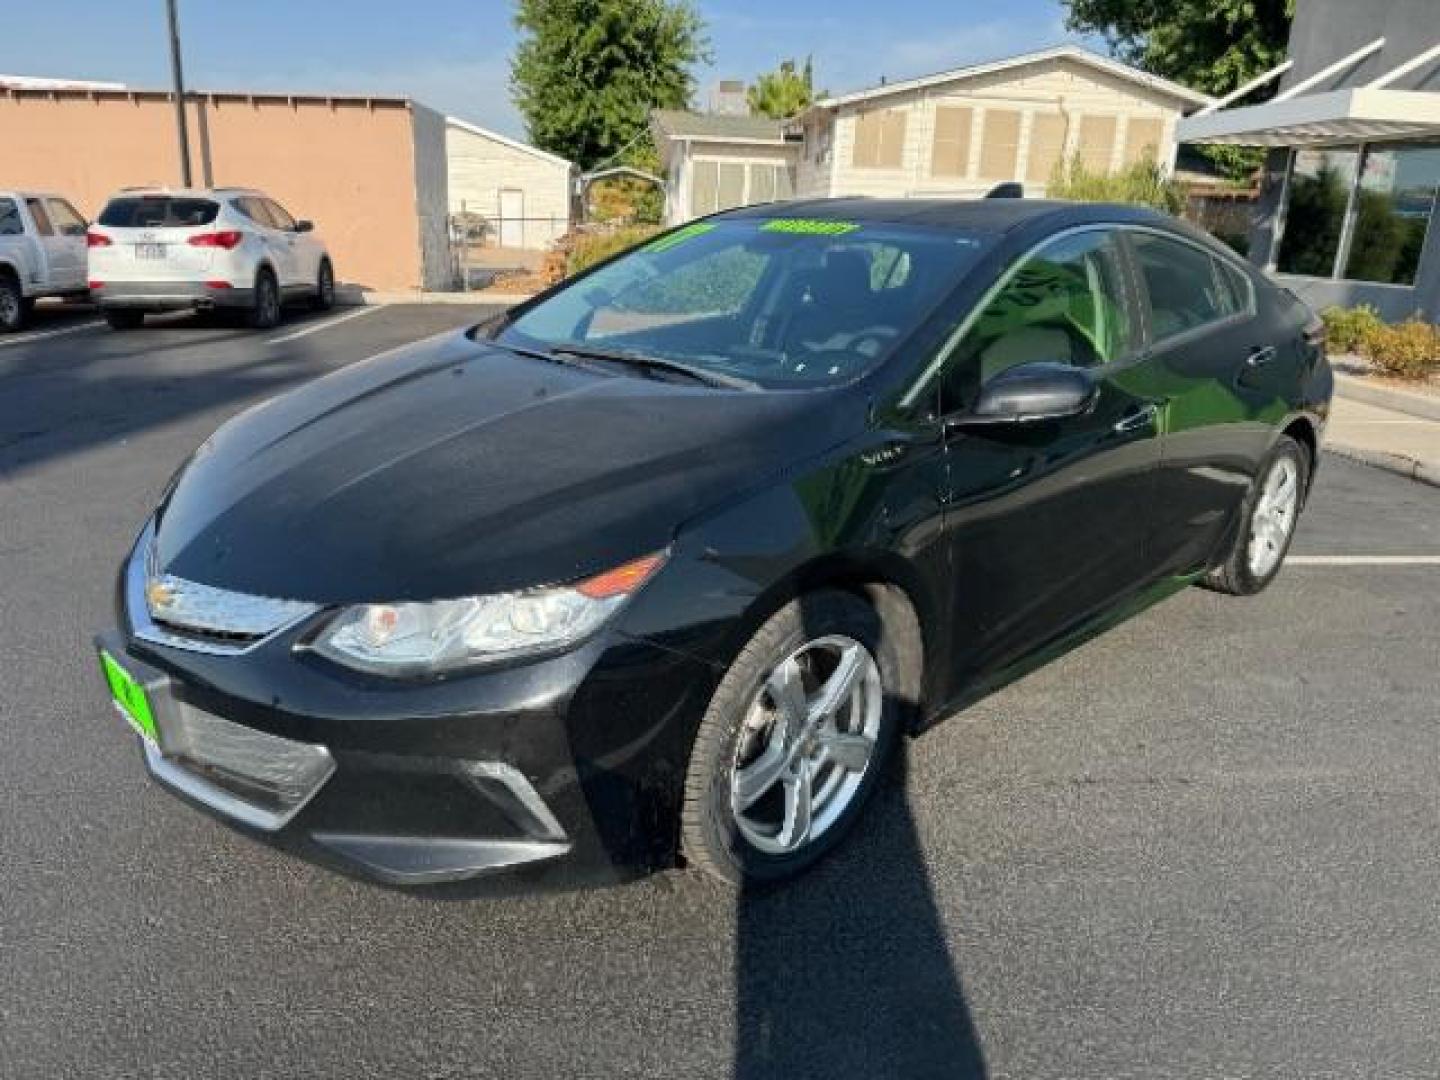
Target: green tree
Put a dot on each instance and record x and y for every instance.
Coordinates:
(782, 93)
(586, 73)
(1211, 45)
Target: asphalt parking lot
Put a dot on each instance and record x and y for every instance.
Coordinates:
(1203, 845)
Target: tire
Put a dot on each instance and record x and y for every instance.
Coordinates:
(743, 738)
(264, 313)
(1255, 560)
(124, 318)
(324, 298)
(14, 307)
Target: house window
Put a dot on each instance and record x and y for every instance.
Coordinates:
(1097, 142)
(705, 188)
(723, 185)
(1394, 203)
(1000, 144)
(1142, 140)
(879, 139)
(1047, 146)
(950, 155)
(1320, 183)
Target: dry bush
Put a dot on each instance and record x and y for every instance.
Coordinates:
(1408, 350)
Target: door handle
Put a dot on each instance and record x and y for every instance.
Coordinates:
(1260, 356)
(1141, 417)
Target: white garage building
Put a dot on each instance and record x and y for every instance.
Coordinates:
(522, 193)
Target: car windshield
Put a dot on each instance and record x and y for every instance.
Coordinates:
(158, 212)
(778, 302)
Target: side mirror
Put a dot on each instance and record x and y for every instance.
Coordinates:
(1032, 392)
(304, 225)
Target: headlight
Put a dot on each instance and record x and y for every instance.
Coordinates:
(407, 639)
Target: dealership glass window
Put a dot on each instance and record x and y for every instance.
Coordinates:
(1320, 183)
(1394, 203)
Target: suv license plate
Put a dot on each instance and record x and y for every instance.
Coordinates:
(150, 251)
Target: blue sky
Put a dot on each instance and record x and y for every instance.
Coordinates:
(454, 54)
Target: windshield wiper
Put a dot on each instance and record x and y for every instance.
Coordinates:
(533, 354)
(658, 363)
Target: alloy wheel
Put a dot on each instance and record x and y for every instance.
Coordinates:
(1273, 519)
(9, 308)
(806, 743)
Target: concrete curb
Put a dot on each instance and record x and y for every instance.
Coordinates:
(353, 297)
(1409, 402)
(1392, 463)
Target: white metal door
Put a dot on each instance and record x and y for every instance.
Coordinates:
(512, 218)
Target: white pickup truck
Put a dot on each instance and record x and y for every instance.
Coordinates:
(42, 253)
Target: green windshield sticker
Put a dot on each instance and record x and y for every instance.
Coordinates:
(809, 226)
(679, 236)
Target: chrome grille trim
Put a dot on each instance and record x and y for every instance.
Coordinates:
(201, 618)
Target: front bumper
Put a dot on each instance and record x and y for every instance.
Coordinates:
(569, 768)
(167, 295)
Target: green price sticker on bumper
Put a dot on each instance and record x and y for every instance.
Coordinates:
(129, 695)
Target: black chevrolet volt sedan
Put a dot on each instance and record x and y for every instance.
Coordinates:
(656, 568)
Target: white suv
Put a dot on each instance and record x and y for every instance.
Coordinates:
(171, 250)
(42, 253)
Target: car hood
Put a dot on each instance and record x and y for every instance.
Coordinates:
(457, 468)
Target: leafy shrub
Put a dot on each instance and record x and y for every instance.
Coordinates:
(1142, 184)
(1408, 350)
(1347, 329)
(587, 249)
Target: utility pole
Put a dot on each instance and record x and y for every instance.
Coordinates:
(175, 69)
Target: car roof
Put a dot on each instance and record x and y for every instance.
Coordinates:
(184, 193)
(969, 215)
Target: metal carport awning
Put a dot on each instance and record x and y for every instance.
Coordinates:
(1357, 114)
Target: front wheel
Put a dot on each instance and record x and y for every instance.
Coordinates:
(14, 308)
(1271, 514)
(324, 298)
(796, 739)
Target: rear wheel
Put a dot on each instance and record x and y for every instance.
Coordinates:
(1271, 514)
(796, 739)
(265, 306)
(124, 318)
(14, 309)
(324, 298)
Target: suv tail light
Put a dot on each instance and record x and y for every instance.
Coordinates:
(225, 238)
(95, 239)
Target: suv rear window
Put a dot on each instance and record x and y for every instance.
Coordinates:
(158, 212)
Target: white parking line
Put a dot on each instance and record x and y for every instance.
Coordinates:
(1363, 560)
(25, 339)
(315, 328)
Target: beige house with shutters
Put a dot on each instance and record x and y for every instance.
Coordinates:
(957, 133)
(963, 131)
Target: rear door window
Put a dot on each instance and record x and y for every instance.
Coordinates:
(66, 218)
(40, 217)
(1236, 292)
(1182, 284)
(158, 212)
(10, 223)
